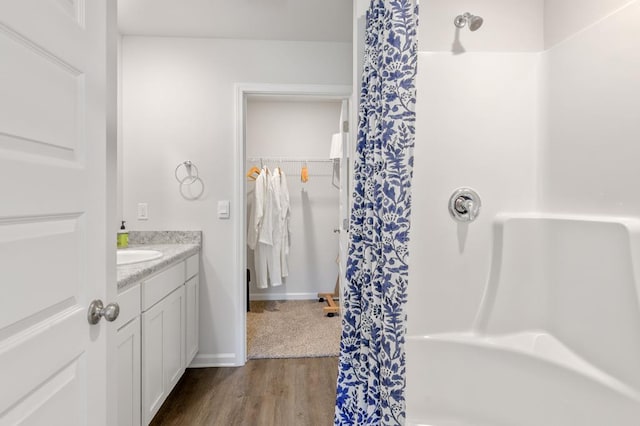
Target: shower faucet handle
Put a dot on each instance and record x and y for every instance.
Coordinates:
(464, 205)
(467, 207)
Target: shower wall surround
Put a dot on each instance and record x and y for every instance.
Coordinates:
(477, 126)
(539, 114)
(178, 103)
(564, 18)
(589, 142)
(529, 129)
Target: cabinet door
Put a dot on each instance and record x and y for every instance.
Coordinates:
(174, 338)
(192, 296)
(162, 351)
(128, 360)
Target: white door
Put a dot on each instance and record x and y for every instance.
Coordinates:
(345, 185)
(54, 185)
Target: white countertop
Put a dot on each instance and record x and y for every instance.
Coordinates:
(172, 253)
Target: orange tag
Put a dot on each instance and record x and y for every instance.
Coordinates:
(304, 174)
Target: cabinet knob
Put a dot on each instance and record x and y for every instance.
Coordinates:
(97, 310)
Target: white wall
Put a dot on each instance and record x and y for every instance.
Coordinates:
(564, 18)
(477, 126)
(300, 129)
(178, 104)
(590, 149)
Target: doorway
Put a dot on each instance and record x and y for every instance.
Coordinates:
(286, 127)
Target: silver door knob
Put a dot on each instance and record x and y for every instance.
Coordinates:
(97, 310)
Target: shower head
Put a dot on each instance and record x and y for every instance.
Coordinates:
(474, 22)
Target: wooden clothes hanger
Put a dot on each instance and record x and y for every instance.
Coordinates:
(253, 173)
(304, 173)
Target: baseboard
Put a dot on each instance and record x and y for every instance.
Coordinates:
(215, 360)
(283, 296)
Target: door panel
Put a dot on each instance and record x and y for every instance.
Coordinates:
(49, 58)
(53, 215)
(49, 92)
(55, 242)
(62, 390)
(63, 365)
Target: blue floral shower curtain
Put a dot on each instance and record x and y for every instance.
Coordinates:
(371, 377)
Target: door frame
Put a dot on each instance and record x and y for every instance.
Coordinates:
(242, 92)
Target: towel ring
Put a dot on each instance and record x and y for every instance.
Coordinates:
(189, 169)
(187, 178)
(185, 188)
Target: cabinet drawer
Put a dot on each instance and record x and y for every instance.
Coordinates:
(158, 286)
(129, 302)
(193, 266)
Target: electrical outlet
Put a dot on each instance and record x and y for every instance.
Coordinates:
(143, 211)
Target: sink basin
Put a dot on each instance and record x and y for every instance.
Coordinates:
(127, 257)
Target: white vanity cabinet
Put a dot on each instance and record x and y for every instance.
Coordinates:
(157, 339)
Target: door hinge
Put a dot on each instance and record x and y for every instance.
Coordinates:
(345, 127)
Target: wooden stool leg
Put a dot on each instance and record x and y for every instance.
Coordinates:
(332, 307)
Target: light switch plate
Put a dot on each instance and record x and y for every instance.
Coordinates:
(143, 211)
(223, 209)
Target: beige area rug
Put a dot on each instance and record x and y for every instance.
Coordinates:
(291, 329)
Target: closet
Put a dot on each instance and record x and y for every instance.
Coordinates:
(294, 134)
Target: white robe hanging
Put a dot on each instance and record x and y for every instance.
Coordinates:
(256, 223)
(269, 241)
(285, 214)
(268, 228)
(273, 262)
(257, 210)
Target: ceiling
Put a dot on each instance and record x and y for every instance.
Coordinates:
(295, 20)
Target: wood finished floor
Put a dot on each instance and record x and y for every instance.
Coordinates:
(265, 392)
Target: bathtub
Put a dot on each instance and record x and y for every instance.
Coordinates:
(556, 339)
